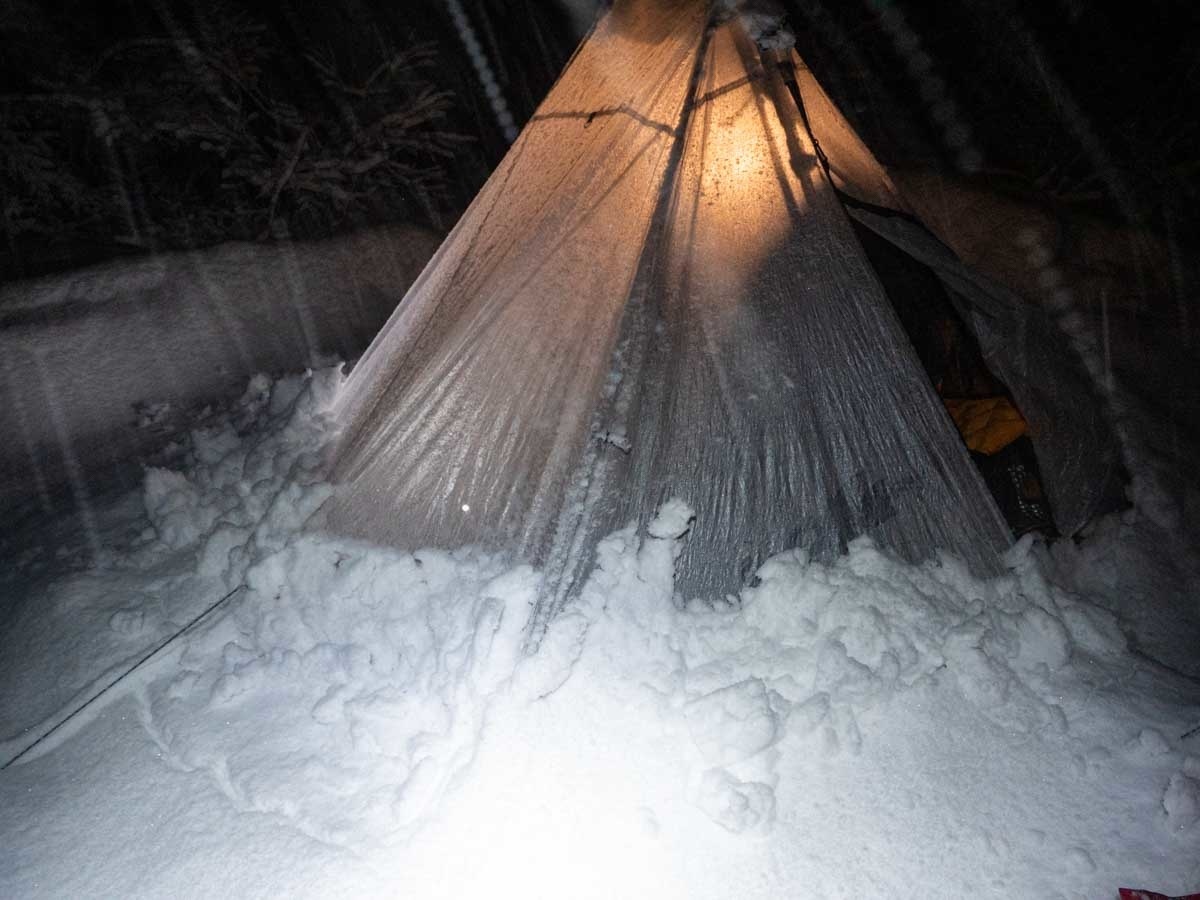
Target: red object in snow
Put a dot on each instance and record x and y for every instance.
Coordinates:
(1132, 894)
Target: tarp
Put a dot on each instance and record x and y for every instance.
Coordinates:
(657, 294)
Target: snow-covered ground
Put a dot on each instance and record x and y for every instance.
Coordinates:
(100, 366)
(360, 722)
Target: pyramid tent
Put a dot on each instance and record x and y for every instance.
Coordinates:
(658, 294)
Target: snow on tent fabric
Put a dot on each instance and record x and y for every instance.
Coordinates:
(657, 294)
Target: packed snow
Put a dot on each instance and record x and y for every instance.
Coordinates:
(353, 721)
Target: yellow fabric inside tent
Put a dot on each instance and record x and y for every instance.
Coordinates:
(987, 424)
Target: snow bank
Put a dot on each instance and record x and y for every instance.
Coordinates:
(348, 685)
(348, 689)
(858, 728)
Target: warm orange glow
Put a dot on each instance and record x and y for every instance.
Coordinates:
(738, 196)
(742, 166)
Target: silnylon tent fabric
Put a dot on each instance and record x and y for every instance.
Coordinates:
(656, 295)
(467, 414)
(1067, 418)
(1069, 424)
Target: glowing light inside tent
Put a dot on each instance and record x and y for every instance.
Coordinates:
(742, 166)
(737, 213)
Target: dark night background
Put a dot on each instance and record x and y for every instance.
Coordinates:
(136, 125)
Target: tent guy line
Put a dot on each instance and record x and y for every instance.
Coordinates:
(211, 608)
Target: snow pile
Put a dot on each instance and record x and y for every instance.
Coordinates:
(348, 688)
(348, 685)
(974, 734)
(814, 648)
(246, 493)
(252, 475)
(860, 727)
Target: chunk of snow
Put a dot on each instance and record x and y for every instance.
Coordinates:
(673, 520)
(733, 723)
(1044, 640)
(735, 805)
(1181, 802)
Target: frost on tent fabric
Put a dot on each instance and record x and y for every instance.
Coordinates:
(657, 294)
(470, 410)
